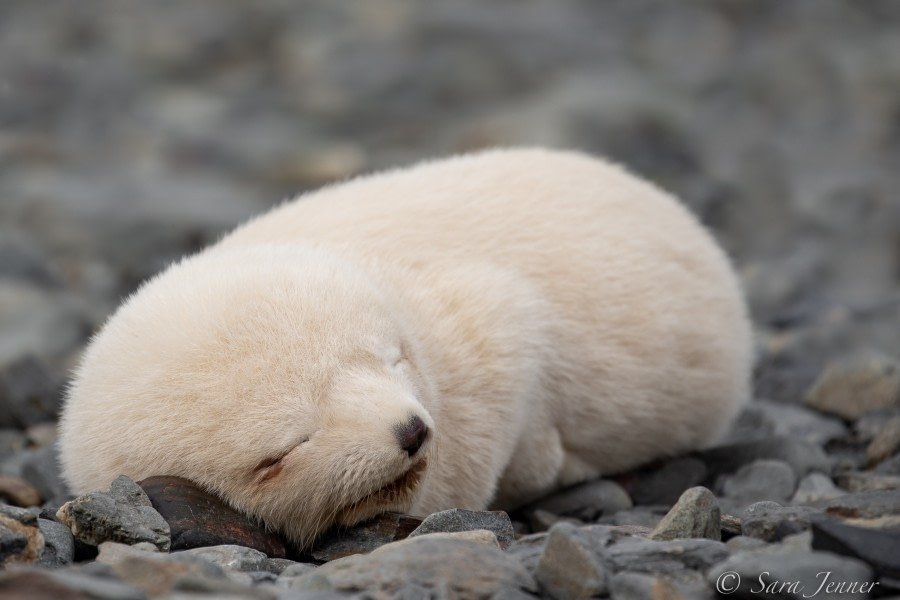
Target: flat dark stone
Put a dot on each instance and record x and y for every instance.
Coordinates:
(197, 518)
(458, 519)
(364, 537)
(862, 505)
(881, 549)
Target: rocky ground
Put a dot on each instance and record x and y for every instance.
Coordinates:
(132, 132)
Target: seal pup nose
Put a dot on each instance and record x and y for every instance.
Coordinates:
(412, 435)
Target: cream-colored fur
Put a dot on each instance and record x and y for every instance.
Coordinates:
(549, 316)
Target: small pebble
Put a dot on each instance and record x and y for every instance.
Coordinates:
(863, 505)
(363, 537)
(18, 492)
(235, 558)
(458, 519)
(695, 515)
(121, 514)
(885, 444)
(814, 487)
(639, 516)
(761, 480)
(59, 544)
(543, 520)
(664, 558)
(853, 387)
(569, 566)
(586, 501)
(863, 481)
(770, 521)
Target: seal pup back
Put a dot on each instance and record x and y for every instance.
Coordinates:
(467, 332)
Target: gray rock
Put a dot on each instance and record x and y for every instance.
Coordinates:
(815, 487)
(506, 593)
(761, 480)
(789, 574)
(277, 566)
(458, 519)
(664, 558)
(665, 484)
(29, 394)
(885, 444)
(797, 541)
(253, 579)
(64, 585)
(112, 552)
(236, 558)
(798, 422)
(12, 542)
(12, 441)
(880, 549)
(863, 505)
(294, 570)
(460, 568)
(763, 419)
(863, 481)
(20, 538)
(528, 549)
(731, 525)
(641, 586)
(158, 574)
(789, 362)
(363, 537)
(695, 515)
(569, 566)
(743, 542)
(543, 520)
(586, 501)
(867, 426)
(122, 514)
(42, 434)
(803, 457)
(889, 467)
(59, 544)
(853, 387)
(771, 522)
(25, 516)
(41, 468)
(639, 516)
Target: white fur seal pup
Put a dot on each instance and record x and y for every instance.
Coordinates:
(462, 333)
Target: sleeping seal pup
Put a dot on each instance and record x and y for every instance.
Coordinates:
(469, 332)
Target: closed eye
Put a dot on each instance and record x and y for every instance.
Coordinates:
(271, 466)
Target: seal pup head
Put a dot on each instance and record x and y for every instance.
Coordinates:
(278, 377)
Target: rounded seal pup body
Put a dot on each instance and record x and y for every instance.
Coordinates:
(463, 333)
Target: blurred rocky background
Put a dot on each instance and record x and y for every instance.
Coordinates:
(134, 132)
